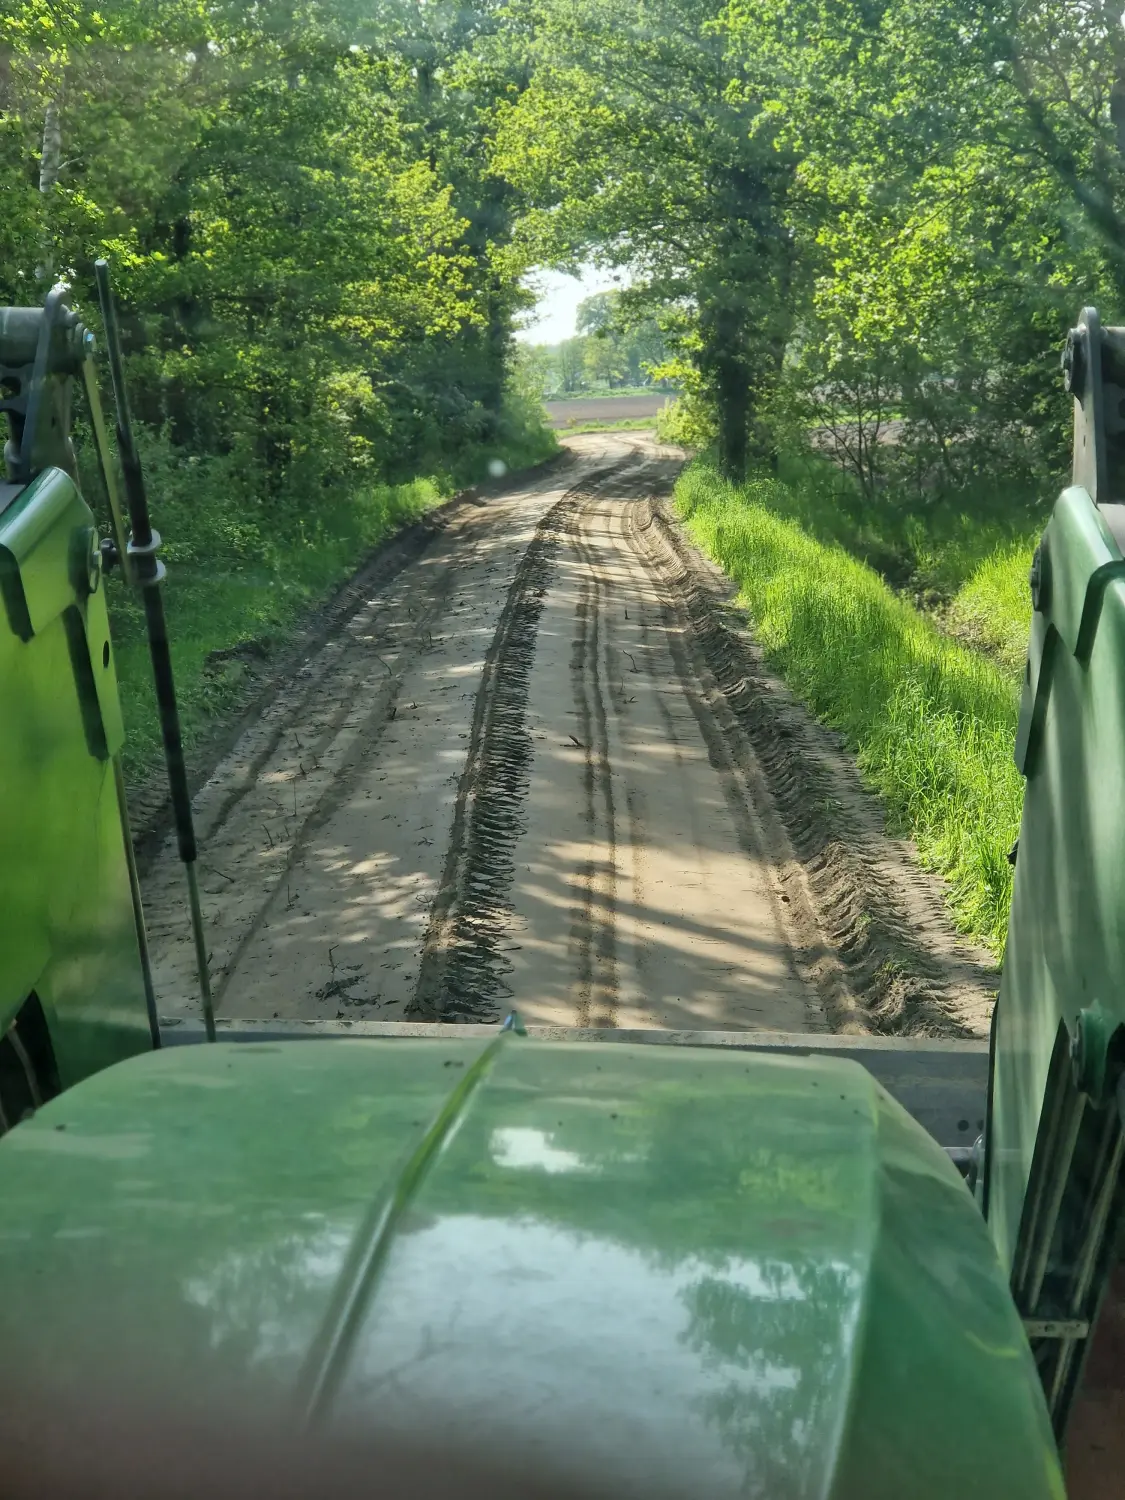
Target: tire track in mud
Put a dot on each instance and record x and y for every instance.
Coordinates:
(593, 926)
(659, 643)
(295, 770)
(312, 764)
(746, 796)
(871, 931)
(747, 791)
(592, 931)
(626, 852)
(463, 970)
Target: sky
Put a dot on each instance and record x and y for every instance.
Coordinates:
(552, 318)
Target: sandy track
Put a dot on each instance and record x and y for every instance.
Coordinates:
(510, 778)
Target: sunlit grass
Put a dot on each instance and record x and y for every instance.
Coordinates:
(993, 606)
(628, 424)
(932, 722)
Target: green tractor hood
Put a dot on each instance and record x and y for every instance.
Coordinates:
(677, 1271)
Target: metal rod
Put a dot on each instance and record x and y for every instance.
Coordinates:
(1099, 1214)
(25, 1063)
(148, 573)
(138, 908)
(1110, 1158)
(1041, 1167)
(200, 951)
(109, 478)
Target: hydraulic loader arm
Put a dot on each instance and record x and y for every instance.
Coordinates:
(1053, 1186)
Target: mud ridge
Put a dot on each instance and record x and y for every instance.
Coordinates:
(883, 915)
(593, 927)
(462, 970)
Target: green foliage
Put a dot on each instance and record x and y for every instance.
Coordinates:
(945, 236)
(964, 557)
(309, 254)
(688, 421)
(635, 136)
(297, 203)
(837, 246)
(616, 348)
(931, 721)
(993, 607)
(929, 549)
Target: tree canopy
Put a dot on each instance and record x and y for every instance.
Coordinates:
(864, 211)
(834, 216)
(298, 205)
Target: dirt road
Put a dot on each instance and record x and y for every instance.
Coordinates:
(510, 778)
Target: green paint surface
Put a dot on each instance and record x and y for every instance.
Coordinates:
(727, 1274)
(66, 918)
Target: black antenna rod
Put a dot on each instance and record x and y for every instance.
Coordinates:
(148, 573)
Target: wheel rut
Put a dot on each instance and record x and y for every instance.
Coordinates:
(520, 772)
(464, 969)
(323, 831)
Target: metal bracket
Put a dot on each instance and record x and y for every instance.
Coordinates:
(1093, 364)
(51, 309)
(41, 350)
(148, 570)
(1056, 1328)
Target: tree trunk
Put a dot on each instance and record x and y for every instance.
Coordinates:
(733, 401)
(724, 361)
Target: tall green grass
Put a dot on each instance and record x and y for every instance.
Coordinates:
(932, 722)
(992, 608)
(966, 554)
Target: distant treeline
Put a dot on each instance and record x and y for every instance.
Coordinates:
(613, 350)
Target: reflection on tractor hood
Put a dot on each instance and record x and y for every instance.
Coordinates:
(671, 1269)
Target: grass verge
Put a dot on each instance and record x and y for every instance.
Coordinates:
(992, 608)
(962, 558)
(629, 424)
(931, 721)
(243, 575)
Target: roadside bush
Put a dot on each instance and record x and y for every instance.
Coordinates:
(689, 422)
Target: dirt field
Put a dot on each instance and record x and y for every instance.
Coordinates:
(534, 767)
(561, 414)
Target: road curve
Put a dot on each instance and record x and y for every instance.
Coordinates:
(505, 781)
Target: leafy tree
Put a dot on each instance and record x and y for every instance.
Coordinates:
(634, 333)
(597, 314)
(605, 361)
(939, 258)
(571, 365)
(297, 203)
(636, 136)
